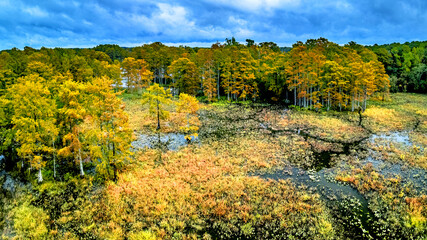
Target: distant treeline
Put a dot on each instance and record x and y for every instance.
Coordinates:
(405, 64)
(316, 74)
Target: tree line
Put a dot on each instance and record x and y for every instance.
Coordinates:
(406, 64)
(60, 111)
(316, 74)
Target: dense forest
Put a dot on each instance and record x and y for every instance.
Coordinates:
(405, 64)
(70, 119)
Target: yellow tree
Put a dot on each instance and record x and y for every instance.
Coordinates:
(317, 60)
(238, 74)
(382, 80)
(34, 121)
(137, 73)
(71, 116)
(354, 67)
(245, 84)
(208, 81)
(184, 76)
(272, 71)
(188, 107)
(227, 75)
(111, 70)
(156, 97)
(107, 132)
(332, 78)
(210, 85)
(365, 79)
(295, 70)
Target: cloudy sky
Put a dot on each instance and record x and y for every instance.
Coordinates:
(87, 23)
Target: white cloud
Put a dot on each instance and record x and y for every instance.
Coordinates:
(257, 6)
(237, 21)
(170, 20)
(174, 15)
(35, 11)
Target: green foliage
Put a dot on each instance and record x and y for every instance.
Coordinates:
(142, 235)
(156, 97)
(30, 222)
(406, 64)
(108, 133)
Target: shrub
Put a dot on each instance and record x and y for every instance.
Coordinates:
(30, 222)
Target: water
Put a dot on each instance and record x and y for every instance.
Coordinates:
(417, 177)
(2, 158)
(396, 137)
(168, 141)
(341, 199)
(322, 180)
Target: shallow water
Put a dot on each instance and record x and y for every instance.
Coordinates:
(395, 137)
(408, 174)
(170, 141)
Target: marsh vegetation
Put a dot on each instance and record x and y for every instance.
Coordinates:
(310, 149)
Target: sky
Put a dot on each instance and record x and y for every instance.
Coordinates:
(88, 23)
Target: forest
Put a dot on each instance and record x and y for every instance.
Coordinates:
(235, 141)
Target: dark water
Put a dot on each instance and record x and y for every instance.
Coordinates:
(321, 180)
(334, 194)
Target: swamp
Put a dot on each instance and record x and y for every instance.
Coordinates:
(254, 171)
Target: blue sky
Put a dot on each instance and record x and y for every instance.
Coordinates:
(87, 23)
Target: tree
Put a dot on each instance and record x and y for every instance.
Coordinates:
(418, 78)
(156, 97)
(184, 76)
(111, 70)
(272, 73)
(80, 69)
(238, 73)
(137, 73)
(188, 106)
(207, 68)
(107, 132)
(71, 116)
(34, 121)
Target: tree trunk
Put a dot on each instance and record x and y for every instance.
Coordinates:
(295, 96)
(217, 84)
(40, 176)
(364, 100)
(82, 173)
(158, 115)
(54, 161)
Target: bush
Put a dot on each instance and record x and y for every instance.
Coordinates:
(30, 222)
